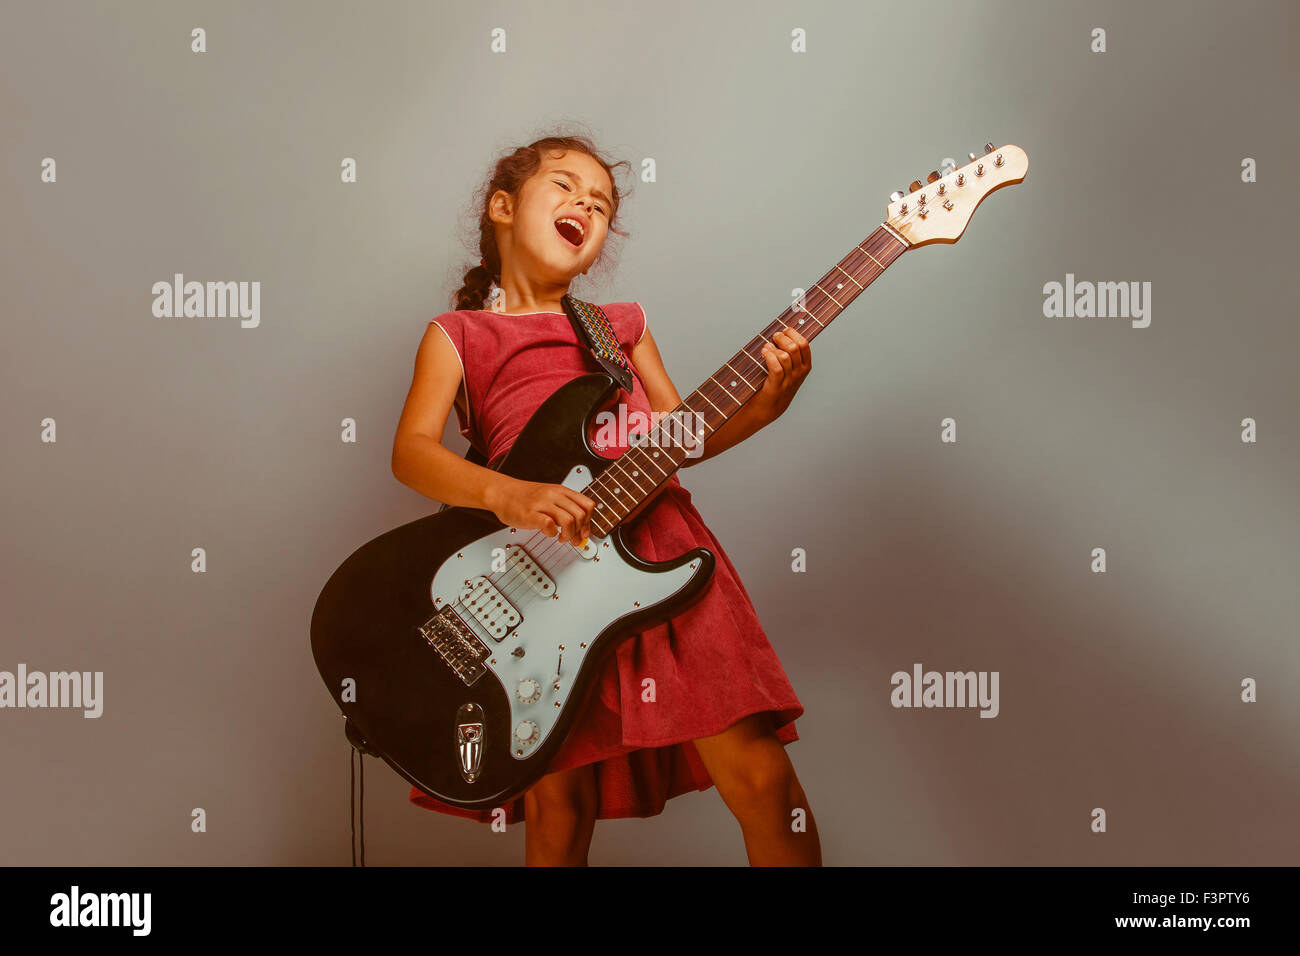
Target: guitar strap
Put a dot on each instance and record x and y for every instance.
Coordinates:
(593, 329)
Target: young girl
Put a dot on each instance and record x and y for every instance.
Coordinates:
(722, 707)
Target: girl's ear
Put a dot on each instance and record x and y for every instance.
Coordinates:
(499, 205)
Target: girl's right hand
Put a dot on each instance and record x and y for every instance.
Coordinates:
(556, 511)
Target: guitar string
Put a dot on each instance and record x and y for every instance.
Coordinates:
(545, 555)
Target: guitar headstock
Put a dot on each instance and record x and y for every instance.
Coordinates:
(940, 209)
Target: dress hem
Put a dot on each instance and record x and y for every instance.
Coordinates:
(786, 733)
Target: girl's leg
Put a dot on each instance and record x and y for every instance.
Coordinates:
(756, 781)
(560, 816)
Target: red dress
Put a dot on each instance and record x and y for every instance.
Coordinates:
(712, 665)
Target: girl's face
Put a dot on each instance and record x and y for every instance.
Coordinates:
(558, 225)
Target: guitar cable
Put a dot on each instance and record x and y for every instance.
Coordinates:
(353, 756)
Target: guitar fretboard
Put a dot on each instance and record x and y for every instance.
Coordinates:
(653, 458)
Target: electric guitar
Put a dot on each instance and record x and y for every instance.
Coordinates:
(462, 650)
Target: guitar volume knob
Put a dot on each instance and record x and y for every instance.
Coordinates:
(529, 690)
(526, 732)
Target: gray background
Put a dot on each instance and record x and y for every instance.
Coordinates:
(1118, 690)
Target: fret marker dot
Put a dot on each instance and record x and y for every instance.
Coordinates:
(801, 321)
(635, 473)
(733, 383)
(839, 285)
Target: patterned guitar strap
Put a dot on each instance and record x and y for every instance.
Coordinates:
(592, 326)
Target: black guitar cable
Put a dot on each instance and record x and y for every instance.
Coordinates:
(353, 810)
(359, 750)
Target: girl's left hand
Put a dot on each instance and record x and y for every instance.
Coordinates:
(787, 366)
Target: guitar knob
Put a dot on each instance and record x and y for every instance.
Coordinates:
(916, 184)
(934, 174)
(526, 732)
(529, 690)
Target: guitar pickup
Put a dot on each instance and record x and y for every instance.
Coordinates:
(489, 606)
(520, 562)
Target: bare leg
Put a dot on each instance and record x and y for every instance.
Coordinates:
(757, 782)
(560, 817)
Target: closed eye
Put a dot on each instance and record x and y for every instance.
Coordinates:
(568, 188)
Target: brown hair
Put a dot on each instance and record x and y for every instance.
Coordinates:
(511, 172)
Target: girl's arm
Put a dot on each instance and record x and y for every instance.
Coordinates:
(786, 369)
(419, 459)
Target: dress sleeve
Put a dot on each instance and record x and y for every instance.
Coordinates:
(629, 321)
(645, 323)
(452, 325)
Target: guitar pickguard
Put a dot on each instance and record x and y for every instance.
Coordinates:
(525, 609)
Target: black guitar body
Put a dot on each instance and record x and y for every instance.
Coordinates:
(449, 702)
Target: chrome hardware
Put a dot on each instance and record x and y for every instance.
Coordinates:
(456, 644)
(469, 740)
(998, 161)
(979, 170)
(961, 179)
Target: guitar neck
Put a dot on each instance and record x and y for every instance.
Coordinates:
(655, 457)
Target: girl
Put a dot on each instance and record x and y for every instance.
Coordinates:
(722, 708)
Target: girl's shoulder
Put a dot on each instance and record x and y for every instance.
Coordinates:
(456, 317)
(461, 325)
(628, 319)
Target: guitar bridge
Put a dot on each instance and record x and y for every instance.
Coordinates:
(456, 644)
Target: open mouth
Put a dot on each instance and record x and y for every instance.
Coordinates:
(570, 230)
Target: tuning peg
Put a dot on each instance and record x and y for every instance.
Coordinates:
(972, 156)
(896, 196)
(934, 175)
(989, 147)
(916, 184)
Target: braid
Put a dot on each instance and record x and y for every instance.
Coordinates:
(473, 294)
